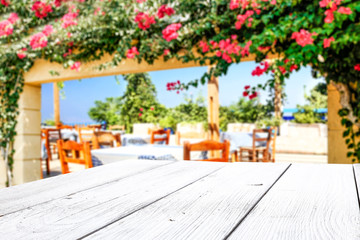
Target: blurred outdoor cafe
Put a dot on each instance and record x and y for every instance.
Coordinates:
(95, 145)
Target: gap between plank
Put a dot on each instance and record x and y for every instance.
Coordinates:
(356, 185)
(115, 180)
(196, 180)
(256, 203)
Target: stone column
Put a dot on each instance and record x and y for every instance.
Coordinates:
(27, 142)
(336, 143)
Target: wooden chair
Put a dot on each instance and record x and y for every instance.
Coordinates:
(153, 133)
(51, 135)
(73, 152)
(117, 127)
(194, 135)
(95, 127)
(61, 126)
(85, 133)
(208, 145)
(105, 139)
(253, 153)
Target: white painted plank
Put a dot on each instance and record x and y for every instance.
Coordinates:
(30, 194)
(309, 202)
(76, 215)
(357, 178)
(208, 209)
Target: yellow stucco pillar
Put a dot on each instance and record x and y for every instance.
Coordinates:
(27, 142)
(336, 143)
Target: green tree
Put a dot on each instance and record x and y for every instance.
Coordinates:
(317, 99)
(192, 111)
(108, 111)
(248, 111)
(139, 101)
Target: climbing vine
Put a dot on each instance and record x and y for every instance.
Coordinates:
(297, 33)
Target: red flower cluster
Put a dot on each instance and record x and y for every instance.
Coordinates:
(22, 53)
(357, 67)
(76, 66)
(241, 19)
(69, 20)
(327, 41)
(40, 40)
(333, 4)
(236, 4)
(303, 37)
(132, 52)
(5, 2)
(260, 71)
(144, 20)
(140, 1)
(41, 9)
(165, 10)
(170, 32)
(6, 26)
(246, 93)
(204, 46)
(174, 86)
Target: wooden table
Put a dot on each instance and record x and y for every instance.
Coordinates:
(187, 200)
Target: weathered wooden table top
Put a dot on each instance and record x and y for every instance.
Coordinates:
(187, 200)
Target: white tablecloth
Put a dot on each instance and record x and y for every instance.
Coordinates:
(153, 152)
(240, 139)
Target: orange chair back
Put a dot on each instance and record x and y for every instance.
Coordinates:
(85, 133)
(105, 139)
(73, 152)
(161, 132)
(208, 145)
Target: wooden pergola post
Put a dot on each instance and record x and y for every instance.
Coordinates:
(213, 108)
(56, 104)
(277, 99)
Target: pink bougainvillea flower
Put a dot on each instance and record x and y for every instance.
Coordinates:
(13, 18)
(5, 2)
(6, 28)
(144, 20)
(204, 46)
(22, 53)
(357, 67)
(329, 16)
(38, 40)
(345, 10)
(325, 3)
(166, 52)
(273, 2)
(41, 9)
(259, 71)
(303, 37)
(57, 3)
(254, 95)
(140, 114)
(293, 67)
(245, 93)
(132, 52)
(327, 41)
(48, 29)
(141, 109)
(247, 87)
(163, 9)
(140, 1)
(69, 34)
(76, 66)
(170, 32)
(152, 108)
(69, 20)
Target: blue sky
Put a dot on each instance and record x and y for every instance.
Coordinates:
(81, 95)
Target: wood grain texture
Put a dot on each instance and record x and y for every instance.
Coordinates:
(30, 194)
(208, 209)
(357, 177)
(78, 214)
(308, 202)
